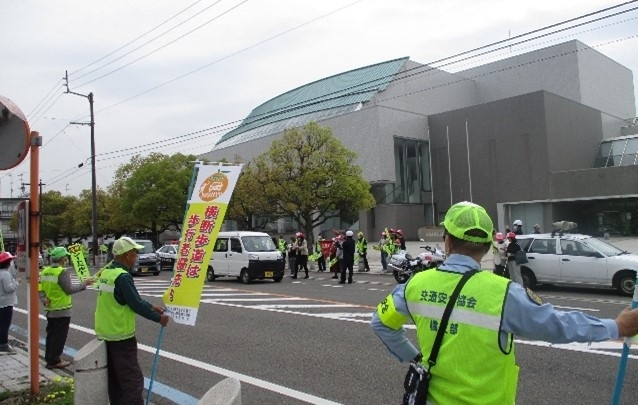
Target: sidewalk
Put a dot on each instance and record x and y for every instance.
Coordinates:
(14, 369)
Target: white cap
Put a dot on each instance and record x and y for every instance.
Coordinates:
(123, 245)
(349, 233)
(518, 222)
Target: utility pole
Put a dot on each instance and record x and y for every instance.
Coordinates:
(93, 186)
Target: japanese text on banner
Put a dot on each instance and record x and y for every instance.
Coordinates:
(206, 211)
(79, 262)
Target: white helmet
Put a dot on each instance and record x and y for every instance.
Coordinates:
(349, 233)
(518, 222)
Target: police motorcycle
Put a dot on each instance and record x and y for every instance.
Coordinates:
(404, 265)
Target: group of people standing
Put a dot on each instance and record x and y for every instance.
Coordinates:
(505, 248)
(339, 259)
(391, 242)
(118, 301)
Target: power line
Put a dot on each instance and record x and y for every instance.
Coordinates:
(137, 38)
(305, 103)
(230, 55)
(152, 40)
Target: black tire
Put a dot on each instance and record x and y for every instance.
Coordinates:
(210, 274)
(627, 283)
(277, 279)
(529, 279)
(400, 278)
(244, 277)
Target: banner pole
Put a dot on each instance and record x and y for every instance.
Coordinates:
(622, 366)
(150, 384)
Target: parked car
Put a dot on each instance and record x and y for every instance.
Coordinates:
(577, 259)
(147, 262)
(167, 255)
(247, 256)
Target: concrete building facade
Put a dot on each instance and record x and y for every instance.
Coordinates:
(535, 137)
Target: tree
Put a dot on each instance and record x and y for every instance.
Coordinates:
(248, 208)
(153, 191)
(76, 219)
(54, 205)
(309, 175)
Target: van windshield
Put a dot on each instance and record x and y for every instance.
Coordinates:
(258, 244)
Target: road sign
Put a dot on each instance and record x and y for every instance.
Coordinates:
(22, 259)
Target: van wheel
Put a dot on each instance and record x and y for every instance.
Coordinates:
(277, 279)
(245, 277)
(210, 274)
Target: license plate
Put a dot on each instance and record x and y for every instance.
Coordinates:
(144, 269)
(268, 274)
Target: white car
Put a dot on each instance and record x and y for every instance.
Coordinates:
(577, 260)
(167, 255)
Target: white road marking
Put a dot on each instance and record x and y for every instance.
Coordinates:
(577, 308)
(267, 385)
(210, 300)
(310, 306)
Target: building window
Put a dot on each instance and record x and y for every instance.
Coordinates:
(412, 169)
(617, 152)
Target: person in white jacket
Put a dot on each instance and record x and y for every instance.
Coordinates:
(8, 299)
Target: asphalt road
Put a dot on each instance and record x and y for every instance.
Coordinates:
(309, 341)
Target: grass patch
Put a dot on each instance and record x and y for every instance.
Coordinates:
(60, 391)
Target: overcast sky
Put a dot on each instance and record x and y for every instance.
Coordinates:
(171, 76)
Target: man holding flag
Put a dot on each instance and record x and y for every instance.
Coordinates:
(117, 303)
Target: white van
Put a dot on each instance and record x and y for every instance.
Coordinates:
(247, 256)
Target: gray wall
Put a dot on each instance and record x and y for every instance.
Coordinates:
(605, 84)
(427, 90)
(573, 134)
(595, 183)
(508, 152)
(571, 70)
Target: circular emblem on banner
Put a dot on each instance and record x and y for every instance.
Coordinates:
(213, 187)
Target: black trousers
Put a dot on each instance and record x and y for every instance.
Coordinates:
(302, 262)
(57, 331)
(366, 266)
(6, 314)
(347, 264)
(321, 262)
(126, 381)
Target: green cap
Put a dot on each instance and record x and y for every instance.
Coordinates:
(58, 252)
(125, 244)
(466, 216)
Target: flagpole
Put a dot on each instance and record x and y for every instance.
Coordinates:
(150, 384)
(622, 366)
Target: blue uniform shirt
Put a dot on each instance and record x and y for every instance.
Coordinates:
(521, 316)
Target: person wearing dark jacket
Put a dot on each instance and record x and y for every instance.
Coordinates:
(513, 268)
(117, 304)
(349, 248)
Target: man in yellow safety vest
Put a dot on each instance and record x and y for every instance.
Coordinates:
(55, 290)
(481, 326)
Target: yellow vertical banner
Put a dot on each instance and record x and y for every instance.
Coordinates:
(206, 209)
(79, 262)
